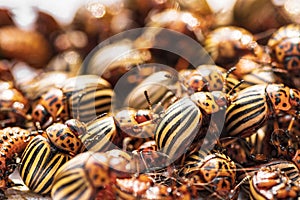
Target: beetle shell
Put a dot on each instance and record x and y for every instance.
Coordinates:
(226, 44)
(178, 127)
(82, 97)
(160, 86)
(43, 156)
(250, 108)
(215, 170)
(66, 136)
(39, 163)
(272, 184)
(285, 43)
(50, 108)
(102, 135)
(88, 173)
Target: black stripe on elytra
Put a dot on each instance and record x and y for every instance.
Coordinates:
(245, 120)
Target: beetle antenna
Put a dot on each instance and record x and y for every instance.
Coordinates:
(236, 86)
(148, 99)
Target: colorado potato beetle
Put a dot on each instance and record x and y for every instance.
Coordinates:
(128, 129)
(187, 120)
(13, 141)
(88, 173)
(272, 184)
(285, 43)
(38, 84)
(286, 167)
(251, 107)
(83, 97)
(211, 171)
(226, 44)
(43, 156)
(161, 87)
(102, 134)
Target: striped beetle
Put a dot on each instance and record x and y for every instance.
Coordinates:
(251, 107)
(84, 176)
(211, 171)
(285, 43)
(185, 121)
(83, 97)
(43, 156)
(128, 128)
(13, 141)
(226, 44)
(286, 167)
(161, 86)
(270, 183)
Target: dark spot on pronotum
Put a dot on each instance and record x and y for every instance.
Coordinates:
(284, 105)
(71, 145)
(36, 113)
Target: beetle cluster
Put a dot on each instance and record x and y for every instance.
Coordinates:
(227, 127)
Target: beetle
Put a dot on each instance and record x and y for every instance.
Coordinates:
(251, 107)
(285, 44)
(187, 120)
(84, 176)
(226, 44)
(127, 128)
(102, 134)
(43, 156)
(210, 171)
(161, 86)
(270, 183)
(83, 97)
(209, 78)
(13, 141)
(14, 106)
(287, 167)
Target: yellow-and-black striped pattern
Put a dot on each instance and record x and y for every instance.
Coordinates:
(195, 160)
(248, 111)
(159, 87)
(289, 168)
(270, 183)
(284, 32)
(90, 102)
(39, 163)
(178, 128)
(214, 170)
(100, 134)
(72, 182)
